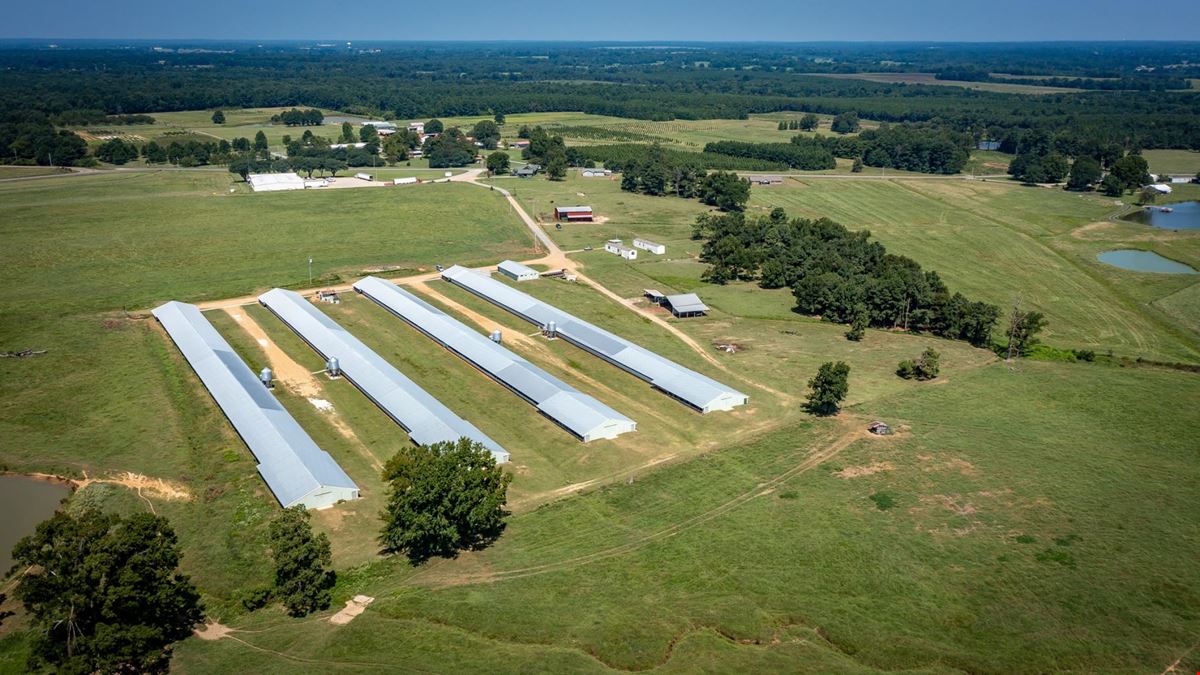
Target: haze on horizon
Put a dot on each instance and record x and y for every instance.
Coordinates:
(617, 20)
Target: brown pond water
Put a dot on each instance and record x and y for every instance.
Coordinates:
(24, 502)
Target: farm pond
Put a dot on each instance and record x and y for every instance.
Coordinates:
(24, 502)
(1181, 216)
(1144, 261)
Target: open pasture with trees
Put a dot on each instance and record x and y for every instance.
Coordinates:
(991, 241)
(989, 538)
(1032, 513)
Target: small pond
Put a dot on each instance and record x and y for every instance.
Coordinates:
(1144, 261)
(1181, 216)
(24, 502)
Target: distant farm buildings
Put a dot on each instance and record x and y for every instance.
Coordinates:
(519, 144)
(417, 127)
(573, 214)
(381, 128)
(517, 272)
(647, 245)
(617, 247)
(988, 145)
(595, 173)
(1161, 188)
(765, 179)
(344, 146)
(275, 182)
(528, 171)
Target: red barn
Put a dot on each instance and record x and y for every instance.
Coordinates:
(573, 214)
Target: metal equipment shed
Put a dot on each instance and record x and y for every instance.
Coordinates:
(294, 468)
(425, 418)
(696, 390)
(585, 417)
(685, 305)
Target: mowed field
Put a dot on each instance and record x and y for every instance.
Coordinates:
(992, 240)
(1186, 162)
(1028, 517)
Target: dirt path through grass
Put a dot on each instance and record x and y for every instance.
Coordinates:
(298, 378)
(851, 429)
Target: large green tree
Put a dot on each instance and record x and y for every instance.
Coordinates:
(105, 593)
(487, 133)
(303, 577)
(1132, 170)
(828, 388)
(724, 190)
(497, 163)
(845, 123)
(1085, 172)
(443, 498)
(218, 117)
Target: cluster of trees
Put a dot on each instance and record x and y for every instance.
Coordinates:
(808, 122)
(547, 150)
(924, 367)
(838, 274)
(486, 132)
(845, 122)
(914, 148)
(922, 148)
(31, 139)
(449, 148)
(1043, 158)
(659, 173)
(616, 156)
(804, 153)
(310, 117)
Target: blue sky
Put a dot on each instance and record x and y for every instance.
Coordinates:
(640, 20)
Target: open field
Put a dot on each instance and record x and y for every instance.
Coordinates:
(990, 240)
(112, 394)
(587, 129)
(1019, 541)
(1005, 528)
(929, 79)
(27, 171)
(1173, 161)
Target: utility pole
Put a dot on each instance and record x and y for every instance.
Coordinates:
(1013, 322)
(310, 271)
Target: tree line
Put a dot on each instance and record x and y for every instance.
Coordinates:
(839, 275)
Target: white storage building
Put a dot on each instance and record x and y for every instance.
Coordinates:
(583, 416)
(617, 247)
(518, 272)
(698, 391)
(275, 182)
(425, 418)
(294, 468)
